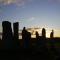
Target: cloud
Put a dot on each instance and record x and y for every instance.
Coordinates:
(17, 2)
(31, 19)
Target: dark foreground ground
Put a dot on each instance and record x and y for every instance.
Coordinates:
(33, 53)
(28, 54)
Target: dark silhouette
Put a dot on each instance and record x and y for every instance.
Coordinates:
(44, 37)
(26, 36)
(40, 46)
(24, 33)
(7, 36)
(44, 33)
(52, 42)
(28, 39)
(16, 35)
(37, 34)
(52, 34)
(37, 39)
(16, 29)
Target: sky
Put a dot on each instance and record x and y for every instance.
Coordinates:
(32, 13)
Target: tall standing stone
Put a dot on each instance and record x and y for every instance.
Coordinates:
(43, 32)
(7, 35)
(16, 34)
(52, 34)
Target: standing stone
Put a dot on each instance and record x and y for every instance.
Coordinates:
(7, 35)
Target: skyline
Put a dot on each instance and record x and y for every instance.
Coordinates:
(32, 13)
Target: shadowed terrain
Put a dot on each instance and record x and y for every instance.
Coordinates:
(28, 48)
